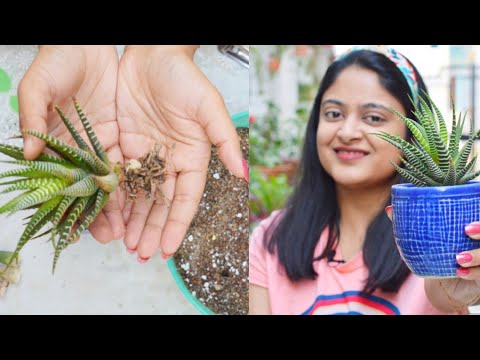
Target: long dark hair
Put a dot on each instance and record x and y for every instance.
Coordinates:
(313, 206)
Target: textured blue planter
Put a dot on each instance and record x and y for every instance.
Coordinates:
(429, 225)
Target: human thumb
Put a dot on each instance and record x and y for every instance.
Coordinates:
(218, 125)
(33, 101)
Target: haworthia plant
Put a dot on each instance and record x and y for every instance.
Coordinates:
(434, 158)
(68, 189)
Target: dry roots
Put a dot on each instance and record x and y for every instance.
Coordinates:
(145, 174)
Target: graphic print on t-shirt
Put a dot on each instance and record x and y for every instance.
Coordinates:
(351, 303)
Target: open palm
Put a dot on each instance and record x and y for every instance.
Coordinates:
(90, 74)
(162, 97)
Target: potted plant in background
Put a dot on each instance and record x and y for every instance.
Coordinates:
(266, 194)
(274, 151)
(431, 212)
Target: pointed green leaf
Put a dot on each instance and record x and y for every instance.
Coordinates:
(67, 226)
(415, 161)
(36, 196)
(42, 234)
(419, 174)
(433, 170)
(467, 168)
(464, 153)
(39, 219)
(91, 134)
(415, 128)
(100, 201)
(408, 175)
(70, 174)
(79, 157)
(459, 133)
(12, 203)
(469, 177)
(442, 150)
(426, 124)
(84, 187)
(441, 120)
(26, 184)
(451, 177)
(439, 128)
(25, 173)
(59, 213)
(76, 136)
(452, 146)
(17, 153)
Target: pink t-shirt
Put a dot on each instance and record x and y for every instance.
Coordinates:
(337, 289)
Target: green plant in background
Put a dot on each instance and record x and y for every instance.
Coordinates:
(65, 191)
(270, 145)
(434, 158)
(267, 193)
(275, 139)
(264, 140)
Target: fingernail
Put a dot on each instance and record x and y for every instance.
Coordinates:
(246, 173)
(166, 256)
(464, 258)
(463, 272)
(130, 251)
(472, 229)
(142, 260)
(388, 209)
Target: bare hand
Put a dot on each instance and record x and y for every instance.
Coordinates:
(90, 74)
(163, 97)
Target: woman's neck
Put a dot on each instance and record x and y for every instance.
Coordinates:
(358, 207)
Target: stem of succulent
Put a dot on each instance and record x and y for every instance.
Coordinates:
(5, 257)
(108, 183)
(11, 273)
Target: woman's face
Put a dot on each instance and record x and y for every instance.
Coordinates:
(356, 104)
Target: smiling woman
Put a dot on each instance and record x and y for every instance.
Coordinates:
(355, 105)
(331, 249)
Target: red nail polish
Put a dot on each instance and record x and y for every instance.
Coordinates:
(246, 172)
(388, 208)
(464, 258)
(463, 272)
(472, 229)
(166, 256)
(142, 260)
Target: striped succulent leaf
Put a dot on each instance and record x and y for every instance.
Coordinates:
(434, 157)
(64, 191)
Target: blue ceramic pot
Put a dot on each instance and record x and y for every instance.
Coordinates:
(429, 225)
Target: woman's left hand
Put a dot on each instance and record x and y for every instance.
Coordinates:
(461, 292)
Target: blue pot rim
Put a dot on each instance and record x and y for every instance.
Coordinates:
(410, 190)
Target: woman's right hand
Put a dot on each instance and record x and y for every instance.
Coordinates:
(88, 73)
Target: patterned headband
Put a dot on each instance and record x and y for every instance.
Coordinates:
(398, 59)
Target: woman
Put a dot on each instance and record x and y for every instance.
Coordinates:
(331, 250)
